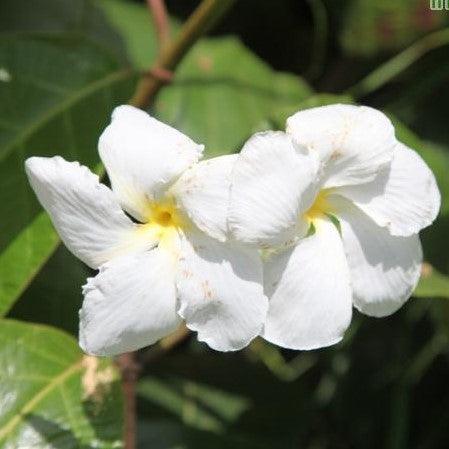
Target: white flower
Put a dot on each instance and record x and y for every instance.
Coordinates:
(343, 201)
(173, 261)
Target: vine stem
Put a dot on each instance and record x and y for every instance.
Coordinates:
(201, 20)
(159, 14)
(170, 55)
(129, 370)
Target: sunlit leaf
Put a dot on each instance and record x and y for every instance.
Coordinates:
(51, 395)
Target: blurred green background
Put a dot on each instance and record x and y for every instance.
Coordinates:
(64, 64)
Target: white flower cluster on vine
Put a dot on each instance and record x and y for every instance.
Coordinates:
(281, 240)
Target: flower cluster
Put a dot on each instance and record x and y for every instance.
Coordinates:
(281, 240)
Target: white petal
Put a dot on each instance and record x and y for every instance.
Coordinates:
(130, 304)
(84, 212)
(203, 193)
(220, 292)
(353, 142)
(308, 287)
(271, 185)
(384, 268)
(404, 197)
(142, 156)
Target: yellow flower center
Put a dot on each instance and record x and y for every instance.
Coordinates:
(164, 221)
(164, 214)
(320, 207)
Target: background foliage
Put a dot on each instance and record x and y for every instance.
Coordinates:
(64, 64)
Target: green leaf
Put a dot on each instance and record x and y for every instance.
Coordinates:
(221, 106)
(54, 296)
(57, 95)
(17, 268)
(52, 17)
(432, 284)
(53, 396)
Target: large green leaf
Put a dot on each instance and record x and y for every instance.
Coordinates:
(223, 93)
(53, 396)
(77, 17)
(56, 96)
